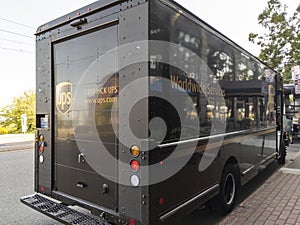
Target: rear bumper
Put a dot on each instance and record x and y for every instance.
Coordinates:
(61, 212)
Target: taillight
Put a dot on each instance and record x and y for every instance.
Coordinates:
(134, 164)
(42, 144)
(132, 221)
(161, 201)
(41, 148)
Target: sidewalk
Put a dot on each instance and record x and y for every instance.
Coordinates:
(277, 201)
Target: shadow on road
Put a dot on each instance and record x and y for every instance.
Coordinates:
(205, 216)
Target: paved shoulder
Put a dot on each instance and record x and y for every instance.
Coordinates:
(9, 142)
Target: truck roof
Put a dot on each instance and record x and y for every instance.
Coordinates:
(79, 13)
(103, 4)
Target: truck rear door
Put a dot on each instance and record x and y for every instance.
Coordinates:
(84, 115)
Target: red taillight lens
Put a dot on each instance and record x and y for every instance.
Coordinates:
(42, 149)
(41, 143)
(161, 201)
(134, 164)
(132, 221)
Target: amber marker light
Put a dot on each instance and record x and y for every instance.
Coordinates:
(135, 151)
(41, 138)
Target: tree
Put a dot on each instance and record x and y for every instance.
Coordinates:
(11, 114)
(280, 44)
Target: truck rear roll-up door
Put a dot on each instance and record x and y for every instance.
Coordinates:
(84, 95)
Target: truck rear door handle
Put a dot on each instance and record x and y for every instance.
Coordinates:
(81, 185)
(81, 158)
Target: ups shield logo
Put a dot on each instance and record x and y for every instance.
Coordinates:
(64, 97)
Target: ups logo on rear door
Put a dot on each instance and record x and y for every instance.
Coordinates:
(64, 97)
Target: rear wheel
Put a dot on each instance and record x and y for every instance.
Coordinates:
(282, 155)
(224, 202)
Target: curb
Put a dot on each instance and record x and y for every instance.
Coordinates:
(16, 146)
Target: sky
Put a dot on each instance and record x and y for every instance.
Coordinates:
(20, 19)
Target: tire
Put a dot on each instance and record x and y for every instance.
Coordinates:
(224, 202)
(282, 155)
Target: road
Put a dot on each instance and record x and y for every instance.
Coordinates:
(16, 172)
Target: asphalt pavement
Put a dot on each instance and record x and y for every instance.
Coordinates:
(16, 180)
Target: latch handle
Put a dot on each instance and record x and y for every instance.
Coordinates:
(81, 185)
(81, 158)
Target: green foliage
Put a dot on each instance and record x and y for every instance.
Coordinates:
(3, 130)
(280, 44)
(24, 104)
